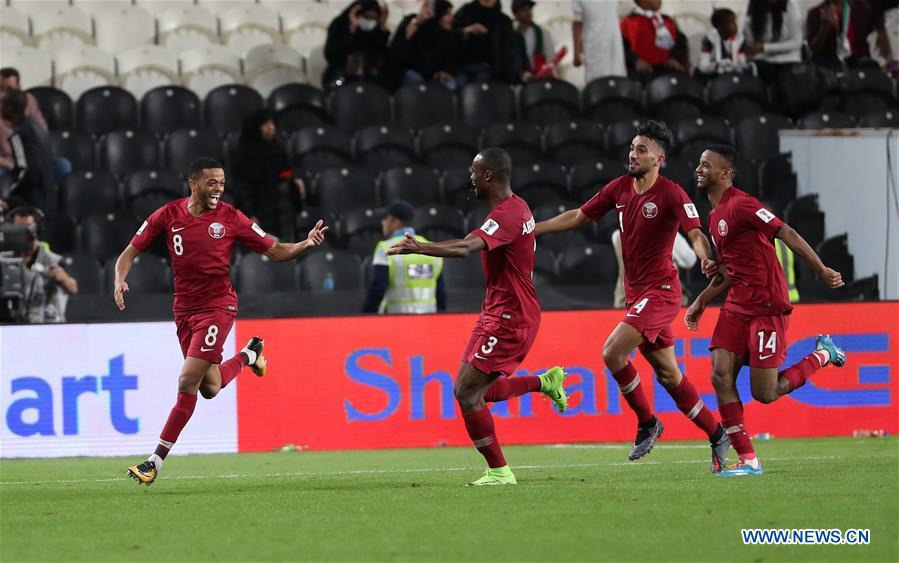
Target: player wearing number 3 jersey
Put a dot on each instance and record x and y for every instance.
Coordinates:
(200, 232)
(752, 325)
(650, 208)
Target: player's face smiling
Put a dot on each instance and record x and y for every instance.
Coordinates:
(209, 188)
(709, 170)
(643, 155)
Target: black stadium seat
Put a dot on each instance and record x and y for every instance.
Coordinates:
(826, 120)
(540, 174)
(358, 104)
(671, 97)
(56, 106)
(756, 137)
(257, 275)
(611, 98)
(694, 134)
(590, 264)
(735, 96)
(61, 233)
(225, 107)
(522, 140)
(319, 148)
(448, 144)
(88, 272)
(361, 230)
(385, 146)
(885, 118)
(127, 150)
(152, 179)
(330, 270)
(619, 136)
(145, 203)
(548, 101)
(85, 192)
(570, 142)
(105, 235)
(419, 185)
(149, 274)
(463, 273)
(421, 105)
(344, 187)
(298, 105)
(865, 90)
(106, 108)
(75, 146)
(439, 222)
(589, 176)
(183, 146)
(167, 108)
(485, 103)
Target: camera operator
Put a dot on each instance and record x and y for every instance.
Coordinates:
(46, 285)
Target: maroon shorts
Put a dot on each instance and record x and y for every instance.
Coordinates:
(202, 335)
(761, 341)
(652, 314)
(496, 348)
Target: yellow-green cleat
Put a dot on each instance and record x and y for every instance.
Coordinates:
(552, 385)
(495, 476)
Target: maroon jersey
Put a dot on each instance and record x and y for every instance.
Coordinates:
(648, 224)
(743, 232)
(201, 249)
(508, 263)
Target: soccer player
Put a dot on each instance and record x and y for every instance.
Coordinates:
(650, 208)
(752, 325)
(200, 233)
(510, 315)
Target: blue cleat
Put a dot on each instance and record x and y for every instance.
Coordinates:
(740, 469)
(837, 355)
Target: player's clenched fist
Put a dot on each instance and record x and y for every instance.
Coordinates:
(408, 245)
(709, 267)
(832, 278)
(694, 313)
(121, 288)
(317, 235)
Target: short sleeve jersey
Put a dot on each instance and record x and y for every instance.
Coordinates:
(201, 249)
(508, 263)
(743, 232)
(648, 223)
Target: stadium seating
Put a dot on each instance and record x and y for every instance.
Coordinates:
(448, 144)
(385, 146)
(418, 185)
(356, 105)
(15, 29)
(206, 67)
(85, 192)
(330, 270)
(319, 148)
(127, 150)
(548, 101)
(81, 68)
(587, 264)
(183, 146)
(149, 274)
(257, 275)
(735, 96)
(145, 67)
(185, 26)
(56, 106)
(167, 108)
(153, 179)
(87, 270)
(58, 28)
(574, 141)
(343, 187)
(36, 65)
(75, 146)
(672, 97)
(421, 105)
(245, 26)
(122, 27)
(105, 235)
(613, 98)
(464, 273)
(104, 109)
(486, 103)
(439, 222)
(522, 140)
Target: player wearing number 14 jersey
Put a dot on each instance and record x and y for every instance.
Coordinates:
(752, 325)
(200, 232)
(650, 208)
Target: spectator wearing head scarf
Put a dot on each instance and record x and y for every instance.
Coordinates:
(489, 50)
(425, 45)
(356, 45)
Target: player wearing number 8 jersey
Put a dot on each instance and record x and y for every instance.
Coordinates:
(200, 232)
(752, 325)
(509, 317)
(650, 209)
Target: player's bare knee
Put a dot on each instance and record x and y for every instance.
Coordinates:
(668, 379)
(722, 381)
(612, 358)
(765, 396)
(208, 392)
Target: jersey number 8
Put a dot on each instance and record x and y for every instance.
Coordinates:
(178, 245)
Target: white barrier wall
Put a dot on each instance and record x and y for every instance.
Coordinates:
(848, 169)
(94, 390)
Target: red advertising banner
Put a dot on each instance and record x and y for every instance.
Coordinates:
(383, 382)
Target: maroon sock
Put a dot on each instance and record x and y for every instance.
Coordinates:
(689, 403)
(732, 420)
(231, 367)
(181, 413)
(508, 387)
(629, 384)
(799, 373)
(480, 428)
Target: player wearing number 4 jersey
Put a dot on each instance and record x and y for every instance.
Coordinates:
(650, 208)
(510, 315)
(200, 232)
(752, 325)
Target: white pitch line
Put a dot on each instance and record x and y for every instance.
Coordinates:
(405, 471)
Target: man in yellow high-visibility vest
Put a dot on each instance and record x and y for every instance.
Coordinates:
(407, 283)
(787, 262)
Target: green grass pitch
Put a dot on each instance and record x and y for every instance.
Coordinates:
(574, 503)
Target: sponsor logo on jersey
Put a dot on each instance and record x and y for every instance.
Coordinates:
(650, 210)
(528, 227)
(490, 226)
(691, 211)
(258, 230)
(142, 227)
(765, 215)
(722, 228)
(216, 230)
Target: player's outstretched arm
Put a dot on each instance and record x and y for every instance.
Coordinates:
(281, 252)
(720, 282)
(122, 267)
(571, 219)
(456, 248)
(801, 248)
(700, 244)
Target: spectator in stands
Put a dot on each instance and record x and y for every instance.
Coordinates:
(681, 253)
(837, 31)
(535, 43)
(652, 42)
(883, 41)
(356, 45)
(723, 47)
(32, 154)
(426, 46)
(597, 39)
(46, 284)
(488, 48)
(409, 283)
(773, 31)
(269, 191)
